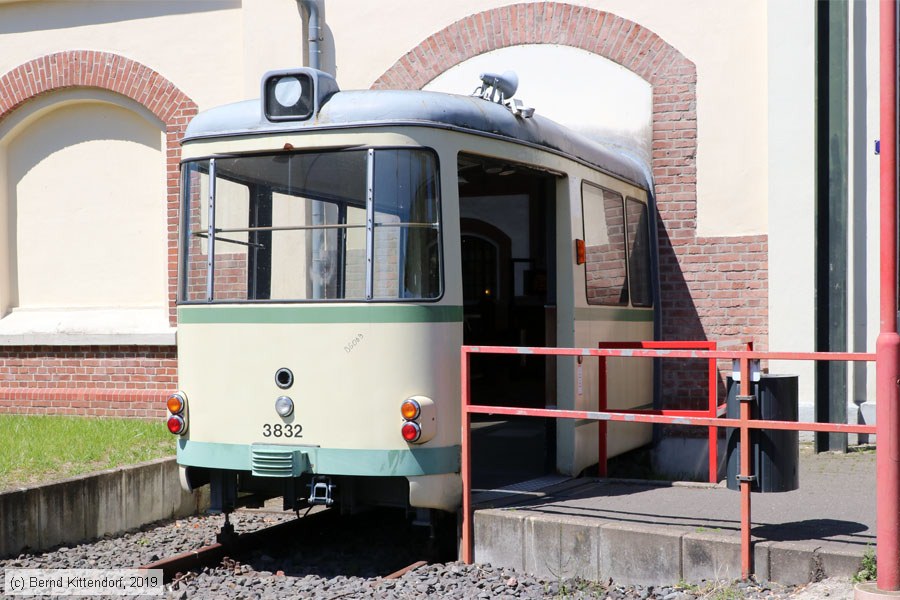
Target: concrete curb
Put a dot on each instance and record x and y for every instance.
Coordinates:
(93, 505)
(595, 549)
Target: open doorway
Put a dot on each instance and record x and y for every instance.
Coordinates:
(508, 246)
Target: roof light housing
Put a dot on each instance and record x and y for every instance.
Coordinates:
(295, 94)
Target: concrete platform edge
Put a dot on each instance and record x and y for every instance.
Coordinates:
(637, 554)
(93, 505)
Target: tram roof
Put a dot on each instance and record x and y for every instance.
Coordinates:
(379, 108)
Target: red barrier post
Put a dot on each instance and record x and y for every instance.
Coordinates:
(713, 407)
(887, 362)
(746, 559)
(468, 540)
(602, 429)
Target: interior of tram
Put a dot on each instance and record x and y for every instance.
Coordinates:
(507, 227)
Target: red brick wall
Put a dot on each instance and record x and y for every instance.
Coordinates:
(121, 381)
(712, 288)
(128, 381)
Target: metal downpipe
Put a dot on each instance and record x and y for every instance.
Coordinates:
(317, 216)
(313, 31)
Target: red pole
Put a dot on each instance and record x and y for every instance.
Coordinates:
(467, 541)
(601, 425)
(887, 347)
(713, 432)
(746, 558)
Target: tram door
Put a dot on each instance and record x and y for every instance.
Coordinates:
(507, 227)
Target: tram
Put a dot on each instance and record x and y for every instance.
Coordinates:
(336, 248)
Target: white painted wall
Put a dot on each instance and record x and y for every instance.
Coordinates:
(576, 88)
(791, 187)
(865, 317)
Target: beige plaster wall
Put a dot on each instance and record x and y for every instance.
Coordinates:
(84, 183)
(199, 45)
(5, 210)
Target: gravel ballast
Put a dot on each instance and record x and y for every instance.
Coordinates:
(352, 560)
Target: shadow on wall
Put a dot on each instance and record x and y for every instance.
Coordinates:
(684, 380)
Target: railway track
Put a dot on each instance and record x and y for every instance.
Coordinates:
(237, 544)
(182, 567)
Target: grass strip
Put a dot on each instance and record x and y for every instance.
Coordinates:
(37, 449)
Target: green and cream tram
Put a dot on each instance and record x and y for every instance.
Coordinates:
(336, 249)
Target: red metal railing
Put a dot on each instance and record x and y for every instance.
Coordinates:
(713, 408)
(744, 423)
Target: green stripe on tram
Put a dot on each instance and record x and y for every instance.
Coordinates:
(411, 462)
(604, 313)
(366, 313)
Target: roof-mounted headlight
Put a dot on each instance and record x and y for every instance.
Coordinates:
(289, 97)
(295, 94)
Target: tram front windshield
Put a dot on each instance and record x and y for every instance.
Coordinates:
(353, 225)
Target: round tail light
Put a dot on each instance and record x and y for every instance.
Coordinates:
(410, 409)
(411, 431)
(176, 424)
(175, 403)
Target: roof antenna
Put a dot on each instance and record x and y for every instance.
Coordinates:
(492, 84)
(500, 89)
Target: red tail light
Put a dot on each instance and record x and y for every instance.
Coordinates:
(411, 431)
(176, 424)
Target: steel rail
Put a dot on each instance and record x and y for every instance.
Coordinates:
(401, 572)
(213, 554)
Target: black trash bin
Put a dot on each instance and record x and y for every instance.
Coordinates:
(774, 454)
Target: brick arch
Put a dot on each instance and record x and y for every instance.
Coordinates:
(711, 287)
(115, 73)
(672, 76)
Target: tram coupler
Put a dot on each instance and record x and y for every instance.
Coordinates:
(226, 535)
(321, 491)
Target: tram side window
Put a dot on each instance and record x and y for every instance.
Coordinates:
(406, 218)
(638, 232)
(193, 248)
(606, 277)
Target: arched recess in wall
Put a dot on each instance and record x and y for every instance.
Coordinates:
(672, 76)
(89, 185)
(673, 146)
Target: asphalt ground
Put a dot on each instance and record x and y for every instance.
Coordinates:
(833, 506)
